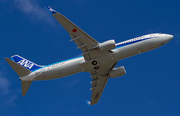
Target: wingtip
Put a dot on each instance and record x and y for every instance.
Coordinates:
(52, 11)
(6, 58)
(88, 102)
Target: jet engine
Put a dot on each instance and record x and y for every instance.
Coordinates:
(117, 72)
(107, 45)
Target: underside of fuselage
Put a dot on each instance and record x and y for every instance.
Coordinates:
(78, 64)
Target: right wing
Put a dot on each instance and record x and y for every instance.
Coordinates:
(98, 85)
(100, 78)
(81, 38)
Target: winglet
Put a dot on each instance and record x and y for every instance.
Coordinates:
(52, 11)
(88, 102)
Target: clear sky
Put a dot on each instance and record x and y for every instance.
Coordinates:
(151, 86)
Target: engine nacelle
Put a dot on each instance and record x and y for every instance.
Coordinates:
(107, 45)
(117, 72)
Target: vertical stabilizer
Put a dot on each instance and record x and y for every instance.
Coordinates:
(25, 63)
(25, 86)
(21, 71)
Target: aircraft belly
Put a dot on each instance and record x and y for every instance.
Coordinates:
(68, 68)
(89, 66)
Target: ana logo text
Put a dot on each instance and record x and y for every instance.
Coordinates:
(26, 64)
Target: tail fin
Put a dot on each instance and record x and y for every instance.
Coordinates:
(25, 63)
(21, 71)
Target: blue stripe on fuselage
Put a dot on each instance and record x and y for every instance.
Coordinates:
(129, 43)
(76, 57)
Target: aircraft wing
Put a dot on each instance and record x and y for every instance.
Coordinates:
(99, 80)
(81, 38)
(98, 85)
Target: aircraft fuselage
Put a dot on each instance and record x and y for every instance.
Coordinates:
(78, 64)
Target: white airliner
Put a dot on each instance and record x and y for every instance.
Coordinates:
(99, 59)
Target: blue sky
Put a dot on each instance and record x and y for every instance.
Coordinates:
(151, 86)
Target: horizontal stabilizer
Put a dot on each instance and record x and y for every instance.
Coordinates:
(20, 70)
(25, 86)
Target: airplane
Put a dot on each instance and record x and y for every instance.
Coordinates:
(99, 59)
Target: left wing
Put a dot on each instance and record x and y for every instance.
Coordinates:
(84, 42)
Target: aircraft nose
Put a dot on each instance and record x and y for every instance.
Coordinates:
(168, 37)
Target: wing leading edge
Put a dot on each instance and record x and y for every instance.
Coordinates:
(81, 38)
